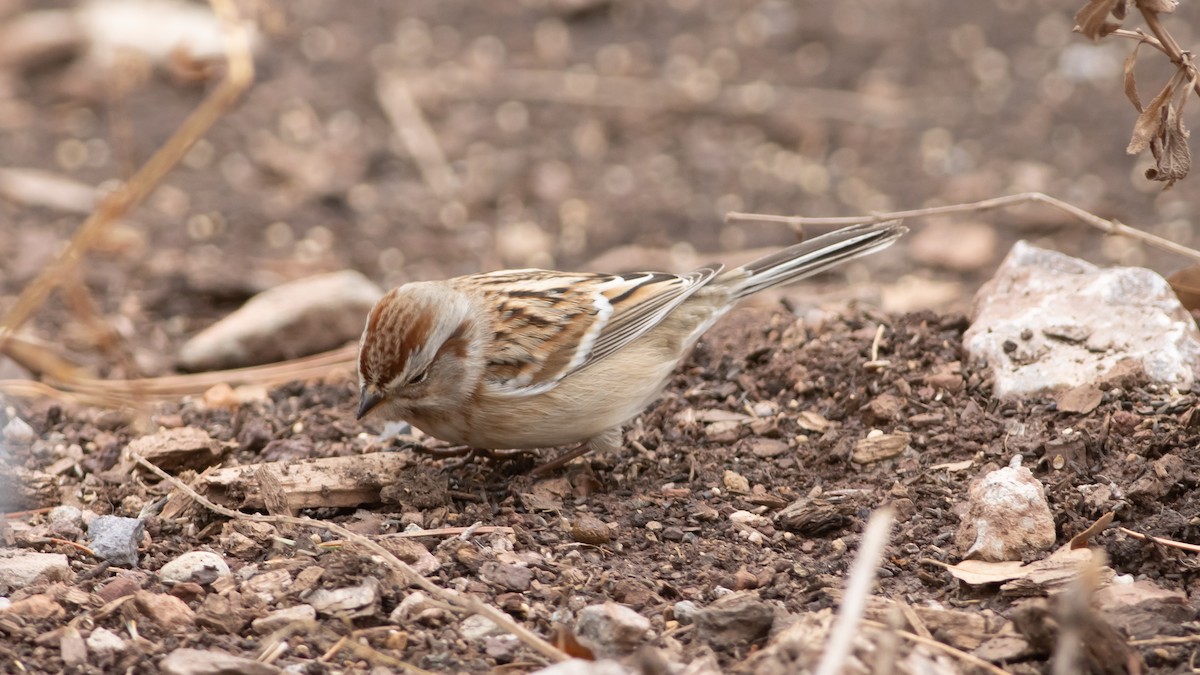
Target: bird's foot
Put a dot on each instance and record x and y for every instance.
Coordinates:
(462, 455)
(562, 460)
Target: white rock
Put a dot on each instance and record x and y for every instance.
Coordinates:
(611, 629)
(1007, 516)
(18, 432)
(291, 320)
(1047, 321)
(186, 661)
(350, 601)
(199, 566)
(20, 568)
(102, 642)
(65, 514)
(477, 627)
(283, 617)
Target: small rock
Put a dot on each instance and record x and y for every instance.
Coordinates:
(295, 319)
(352, 601)
(588, 529)
(73, 649)
(283, 617)
(186, 661)
(877, 447)
(65, 515)
(18, 432)
(1007, 517)
(416, 606)
(118, 588)
(103, 642)
(685, 612)
(477, 627)
(611, 629)
(884, 408)
(36, 608)
(767, 447)
(509, 577)
(737, 618)
(115, 539)
(735, 482)
(202, 567)
(20, 568)
(1133, 323)
(168, 612)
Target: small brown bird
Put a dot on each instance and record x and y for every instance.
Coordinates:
(525, 359)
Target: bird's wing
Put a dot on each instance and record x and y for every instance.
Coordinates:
(548, 325)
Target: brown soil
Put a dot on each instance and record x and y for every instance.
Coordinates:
(306, 176)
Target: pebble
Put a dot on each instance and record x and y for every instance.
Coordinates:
(735, 482)
(166, 611)
(685, 611)
(1007, 516)
(202, 567)
(283, 617)
(510, 577)
(349, 602)
(588, 529)
(611, 629)
(103, 642)
(20, 568)
(116, 538)
(735, 619)
(18, 432)
(477, 627)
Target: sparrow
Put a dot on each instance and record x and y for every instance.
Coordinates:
(530, 358)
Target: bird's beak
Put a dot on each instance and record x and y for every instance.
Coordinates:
(367, 401)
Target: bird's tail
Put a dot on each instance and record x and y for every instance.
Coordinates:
(816, 255)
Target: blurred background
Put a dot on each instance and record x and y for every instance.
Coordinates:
(432, 138)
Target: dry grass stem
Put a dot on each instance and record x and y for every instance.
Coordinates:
(418, 137)
(858, 589)
(1183, 546)
(1113, 227)
(464, 604)
(954, 652)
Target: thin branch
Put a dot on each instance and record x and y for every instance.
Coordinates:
(1183, 546)
(1113, 227)
(939, 646)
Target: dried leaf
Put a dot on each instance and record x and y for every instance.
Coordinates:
(1083, 539)
(1149, 124)
(1093, 18)
(1174, 160)
(1160, 6)
(979, 572)
(1131, 78)
(1186, 284)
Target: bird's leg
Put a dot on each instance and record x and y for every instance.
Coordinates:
(607, 440)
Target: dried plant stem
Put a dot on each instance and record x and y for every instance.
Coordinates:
(239, 75)
(419, 139)
(463, 603)
(858, 590)
(1183, 546)
(1114, 227)
(939, 646)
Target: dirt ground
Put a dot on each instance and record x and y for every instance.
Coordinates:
(615, 135)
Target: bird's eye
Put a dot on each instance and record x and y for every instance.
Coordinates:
(418, 378)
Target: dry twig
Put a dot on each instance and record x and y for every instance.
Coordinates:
(463, 603)
(1114, 227)
(858, 590)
